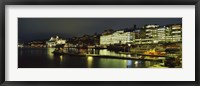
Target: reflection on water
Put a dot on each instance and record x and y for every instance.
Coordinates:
(90, 60)
(96, 51)
(49, 53)
(61, 59)
(116, 63)
(44, 58)
(147, 63)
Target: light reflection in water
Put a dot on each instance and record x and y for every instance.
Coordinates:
(50, 54)
(136, 63)
(106, 63)
(147, 63)
(90, 60)
(129, 63)
(114, 63)
(61, 59)
(125, 63)
(51, 60)
(94, 51)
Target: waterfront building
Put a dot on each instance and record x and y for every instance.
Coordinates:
(161, 34)
(53, 41)
(37, 44)
(143, 41)
(118, 37)
(20, 45)
(171, 33)
(152, 32)
(165, 34)
(137, 34)
(177, 33)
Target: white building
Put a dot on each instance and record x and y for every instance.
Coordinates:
(118, 37)
(176, 33)
(156, 34)
(161, 34)
(151, 31)
(170, 34)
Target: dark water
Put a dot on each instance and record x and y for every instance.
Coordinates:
(44, 58)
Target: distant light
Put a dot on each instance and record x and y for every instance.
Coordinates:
(136, 62)
(129, 55)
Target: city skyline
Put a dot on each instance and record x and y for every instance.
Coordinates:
(100, 43)
(36, 28)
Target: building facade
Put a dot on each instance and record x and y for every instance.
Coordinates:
(176, 33)
(165, 34)
(118, 37)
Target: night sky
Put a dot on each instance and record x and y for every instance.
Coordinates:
(43, 28)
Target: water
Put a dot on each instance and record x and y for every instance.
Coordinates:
(44, 58)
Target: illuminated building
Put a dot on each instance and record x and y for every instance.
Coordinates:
(37, 44)
(137, 34)
(152, 32)
(53, 41)
(143, 41)
(20, 45)
(172, 33)
(118, 37)
(168, 35)
(176, 33)
(165, 34)
(161, 34)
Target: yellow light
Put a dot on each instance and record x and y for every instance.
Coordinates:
(89, 60)
(136, 62)
(61, 58)
(129, 55)
(49, 53)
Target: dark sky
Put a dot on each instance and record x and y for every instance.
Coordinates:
(43, 28)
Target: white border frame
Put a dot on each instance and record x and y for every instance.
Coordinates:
(186, 73)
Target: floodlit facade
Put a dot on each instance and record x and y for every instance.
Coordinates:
(118, 37)
(161, 34)
(165, 34)
(53, 41)
(172, 33)
(151, 31)
(177, 33)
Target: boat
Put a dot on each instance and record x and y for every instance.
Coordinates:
(59, 53)
(154, 53)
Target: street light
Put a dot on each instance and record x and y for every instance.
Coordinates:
(129, 45)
